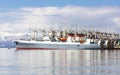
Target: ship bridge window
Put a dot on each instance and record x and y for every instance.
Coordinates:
(16, 43)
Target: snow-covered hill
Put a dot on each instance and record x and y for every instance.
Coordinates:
(7, 41)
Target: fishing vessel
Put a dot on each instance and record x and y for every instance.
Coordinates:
(66, 40)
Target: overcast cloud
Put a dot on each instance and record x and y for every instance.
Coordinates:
(19, 21)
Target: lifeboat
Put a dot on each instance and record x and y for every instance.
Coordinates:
(63, 39)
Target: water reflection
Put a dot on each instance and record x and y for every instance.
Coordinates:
(59, 62)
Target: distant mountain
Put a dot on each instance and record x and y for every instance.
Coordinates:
(2, 38)
(7, 41)
(7, 44)
(12, 38)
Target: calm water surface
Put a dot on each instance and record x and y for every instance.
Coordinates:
(59, 62)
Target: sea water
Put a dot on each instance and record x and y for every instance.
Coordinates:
(59, 62)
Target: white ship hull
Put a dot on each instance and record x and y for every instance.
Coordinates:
(47, 45)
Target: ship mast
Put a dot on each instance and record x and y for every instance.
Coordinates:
(34, 35)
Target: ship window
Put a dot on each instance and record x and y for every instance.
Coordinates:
(16, 43)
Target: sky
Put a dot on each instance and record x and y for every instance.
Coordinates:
(18, 16)
(43, 3)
